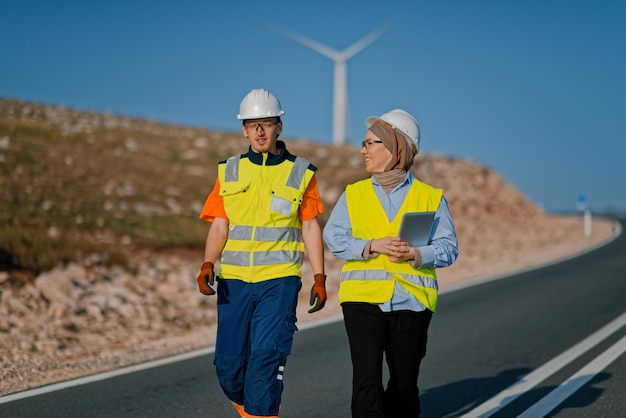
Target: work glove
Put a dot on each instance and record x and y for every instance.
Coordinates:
(318, 293)
(206, 278)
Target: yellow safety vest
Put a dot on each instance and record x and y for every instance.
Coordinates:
(262, 193)
(372, 279)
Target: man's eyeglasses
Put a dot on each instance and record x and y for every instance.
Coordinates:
(250, 124)
(367, 144)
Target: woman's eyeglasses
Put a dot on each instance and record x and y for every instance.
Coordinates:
(367, 144)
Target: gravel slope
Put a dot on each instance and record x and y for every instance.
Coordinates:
(28, 361)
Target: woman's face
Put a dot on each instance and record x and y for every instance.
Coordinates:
(375, 153)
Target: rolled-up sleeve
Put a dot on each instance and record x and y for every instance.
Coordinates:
(338, 233)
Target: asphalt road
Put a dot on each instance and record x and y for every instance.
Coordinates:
(549, 342)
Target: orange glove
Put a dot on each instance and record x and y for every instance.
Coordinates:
(206, 278)
(318, 293)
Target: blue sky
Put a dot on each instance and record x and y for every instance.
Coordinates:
(536, 90)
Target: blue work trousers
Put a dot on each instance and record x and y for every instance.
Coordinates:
(255, 327)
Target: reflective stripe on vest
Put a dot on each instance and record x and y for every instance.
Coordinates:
(232, 168)
(242, 259)
(265, 232)
(372, 279)
(383, 275)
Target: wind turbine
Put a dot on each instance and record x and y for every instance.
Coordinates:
(340, 58)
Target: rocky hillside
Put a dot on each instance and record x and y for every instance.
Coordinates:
(100, 241)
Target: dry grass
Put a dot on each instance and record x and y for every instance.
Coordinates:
(78, 184)
(99, 189)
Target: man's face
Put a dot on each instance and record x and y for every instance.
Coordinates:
(262, 133)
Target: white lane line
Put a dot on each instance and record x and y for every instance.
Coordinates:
(511, 393)
(102, 376)
(578, 380)
(136, 368)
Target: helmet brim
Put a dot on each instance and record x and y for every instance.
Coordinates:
(372, 120)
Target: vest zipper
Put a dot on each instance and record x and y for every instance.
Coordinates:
(258, 214)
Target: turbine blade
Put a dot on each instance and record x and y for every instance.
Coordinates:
(308, 42)
(366, 41)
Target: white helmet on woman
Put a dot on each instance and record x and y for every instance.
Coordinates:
(259, 103)
(402, 121)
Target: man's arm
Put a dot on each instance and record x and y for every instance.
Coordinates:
(216, 239)
(312, 235)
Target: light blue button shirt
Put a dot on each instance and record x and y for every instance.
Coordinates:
(441, 252)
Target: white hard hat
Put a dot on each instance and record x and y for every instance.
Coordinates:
(259, 103)
(402, 121)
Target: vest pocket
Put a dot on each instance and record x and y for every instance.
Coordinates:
(232, 188)
(285, 200)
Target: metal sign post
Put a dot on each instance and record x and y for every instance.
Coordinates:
(581, 204)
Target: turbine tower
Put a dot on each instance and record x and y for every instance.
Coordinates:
(340, 58)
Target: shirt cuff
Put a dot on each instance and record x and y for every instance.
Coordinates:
(367, 251)
(428, 256)
(363, 248)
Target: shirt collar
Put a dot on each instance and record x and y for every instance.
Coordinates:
(272, 159)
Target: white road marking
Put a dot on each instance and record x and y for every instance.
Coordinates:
(517, 389)
(578, 380)
(135, 368)
(102, 376)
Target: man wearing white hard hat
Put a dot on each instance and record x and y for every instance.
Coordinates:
(388, 287)
(263, 209)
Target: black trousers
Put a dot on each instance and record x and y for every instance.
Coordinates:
(401, 336)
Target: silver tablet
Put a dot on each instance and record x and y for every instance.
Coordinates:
(415, 227)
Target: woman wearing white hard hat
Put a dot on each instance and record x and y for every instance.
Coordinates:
(388, 287)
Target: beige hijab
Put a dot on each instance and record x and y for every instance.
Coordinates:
(402, 155)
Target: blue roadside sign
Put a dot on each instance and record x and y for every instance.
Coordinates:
(581, 202)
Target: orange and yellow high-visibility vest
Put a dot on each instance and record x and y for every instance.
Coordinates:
(265, 232)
